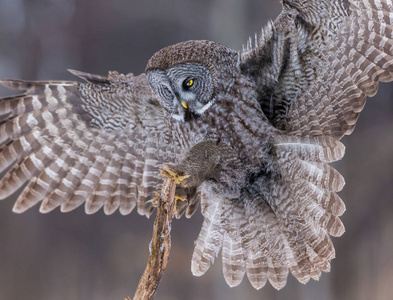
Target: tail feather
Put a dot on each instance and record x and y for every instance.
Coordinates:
(279, 226)
(234, 266)
(210, 239)
(256, 267)
(277, 275)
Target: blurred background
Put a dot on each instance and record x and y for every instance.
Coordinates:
(75, 256)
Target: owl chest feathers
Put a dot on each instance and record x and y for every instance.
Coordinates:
(236, 120)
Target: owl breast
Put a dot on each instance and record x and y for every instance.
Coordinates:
(236, 119)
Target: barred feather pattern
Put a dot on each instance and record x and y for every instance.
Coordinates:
(275, 115)
(313, 68)
(318, 61)
(100, 143)
(278, 225)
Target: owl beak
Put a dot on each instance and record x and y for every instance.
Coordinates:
(188, 114)
(184, 104)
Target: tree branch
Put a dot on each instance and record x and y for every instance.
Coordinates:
(160, 244)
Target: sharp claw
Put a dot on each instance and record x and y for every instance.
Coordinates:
(178, 204)
(154, 201)
(181, 199)
(157, 195)
(167, 172)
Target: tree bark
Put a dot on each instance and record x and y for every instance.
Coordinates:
(160, 244)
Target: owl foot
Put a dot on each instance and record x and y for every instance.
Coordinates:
(180, 206)
(179, 201)
(168, 172)
(157, 195)
(156, 198)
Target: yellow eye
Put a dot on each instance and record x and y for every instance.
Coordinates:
(188, 83)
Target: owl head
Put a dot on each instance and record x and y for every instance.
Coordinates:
(189, 77)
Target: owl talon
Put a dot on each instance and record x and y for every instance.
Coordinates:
(167, 172)
(154, 201)
(179, 204)
(180, 199)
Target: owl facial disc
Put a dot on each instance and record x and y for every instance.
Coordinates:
(185, 91)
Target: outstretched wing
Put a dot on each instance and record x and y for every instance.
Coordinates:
(315, 65)
(313, 68)
(98, 143)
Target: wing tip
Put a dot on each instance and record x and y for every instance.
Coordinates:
(196, 269)
(18, 209)
(44, 209)
(199, 264)
(15, 84)
(233, 279)
(89, 77)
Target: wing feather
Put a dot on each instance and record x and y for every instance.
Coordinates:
(100, 143)
(315, 65)
(209, 242)
(279, 224)
(313, 68)
(234, 267)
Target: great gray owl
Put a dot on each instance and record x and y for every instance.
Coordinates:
(247, 134)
